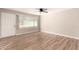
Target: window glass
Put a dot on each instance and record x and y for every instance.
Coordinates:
(26, 21)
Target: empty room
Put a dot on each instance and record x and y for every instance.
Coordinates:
(39, 29)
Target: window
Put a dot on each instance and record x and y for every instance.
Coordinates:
(27, 21)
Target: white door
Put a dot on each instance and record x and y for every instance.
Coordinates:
(8, 22)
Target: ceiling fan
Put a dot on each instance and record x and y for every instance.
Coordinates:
(44, 10)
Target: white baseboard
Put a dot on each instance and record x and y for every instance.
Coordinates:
(20, 34)
(6, 36)
(62, 35)
(28, 32)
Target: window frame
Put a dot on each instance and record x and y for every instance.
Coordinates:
(34, 17)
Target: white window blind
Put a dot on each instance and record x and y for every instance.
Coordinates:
(27, 21)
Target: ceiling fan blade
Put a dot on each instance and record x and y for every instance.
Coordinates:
(45, 11)
(45, 8)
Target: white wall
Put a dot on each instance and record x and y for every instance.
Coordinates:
(65, 22)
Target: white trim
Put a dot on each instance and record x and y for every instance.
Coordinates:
(19, 34)
(6, 36)
(27, 33)
(62, 35)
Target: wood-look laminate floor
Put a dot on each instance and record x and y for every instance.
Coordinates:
(38, 41)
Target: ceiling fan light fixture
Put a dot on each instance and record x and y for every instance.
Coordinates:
(44, 10)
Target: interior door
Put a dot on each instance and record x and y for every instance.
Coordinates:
(8, 22)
